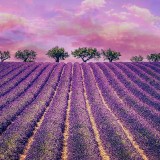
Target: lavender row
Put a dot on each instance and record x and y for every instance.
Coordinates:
(17, 81)
(153, 67)
(22, 88)
(142, 134)
(48, 140)
(10, 69)
(156, 64)
(113, 138)
(13, 141)
(5, 67)
(142, 74)
(81, 141)
(134, 103)
(13, 75)
(11, 111)
(149, 70)
(135, 90)
(135, 106)
(137, 81)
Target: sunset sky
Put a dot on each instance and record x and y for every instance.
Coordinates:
(129, 26)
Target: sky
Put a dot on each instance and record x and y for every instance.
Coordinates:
(131, 27)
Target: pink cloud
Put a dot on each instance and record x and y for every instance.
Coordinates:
(142, 13)
(126, 38)
(87, 5)
(93, 4)
(130, 29)
(117, 16)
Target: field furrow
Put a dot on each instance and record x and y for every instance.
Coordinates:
(153, 66)
(147, 112)
(48, 141)
(15, 138)
(113, 137)
(16, 73)
(141, 73)
(10, 112)
(12, 83)
(126, 131)
(25, 86)
(80, 142)
(146, 138)
(149, 70)
(151, 92)
(64, 155)
(87, 111)
(6, 68)
(103, 153)
(10, 69)
(134, 89)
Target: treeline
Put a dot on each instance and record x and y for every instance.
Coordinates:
(83, 53)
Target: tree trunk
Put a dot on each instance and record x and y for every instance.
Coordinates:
(110, 60)
(84, 60)
(25, 60)
(57, 60)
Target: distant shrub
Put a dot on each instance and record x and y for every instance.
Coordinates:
(137, 58)
(26, 55)
(154, 57)
(57, 53)
(86, 53)
(110, 55)
(4, 55)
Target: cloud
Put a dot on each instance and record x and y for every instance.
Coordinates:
(93, 3)
(87, 5)
(129, 29)
(125, 37)
(142, 13)
(8, 21)
(116, 16)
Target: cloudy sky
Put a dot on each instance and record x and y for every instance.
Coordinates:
(129, 26)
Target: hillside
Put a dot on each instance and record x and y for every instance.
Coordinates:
(88, 111)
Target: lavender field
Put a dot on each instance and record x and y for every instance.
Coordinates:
(88, 111)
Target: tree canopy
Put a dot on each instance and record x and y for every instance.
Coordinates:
(58, 53)
(110, 55)
(137, 58)
(154, 57)
(26, 55)
(4, 55)
(86, 53)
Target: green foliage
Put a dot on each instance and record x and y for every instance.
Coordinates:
(110, 55)
(86, 53)
(154, 57)
(4, 55)
(137, 58)
(26, 55)
(57, 53)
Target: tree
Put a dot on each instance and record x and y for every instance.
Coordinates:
(154, 57)
(86, 53)
(137, 58)
(57, 53)
(110, 55)
(26, 55)
(4, 55)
